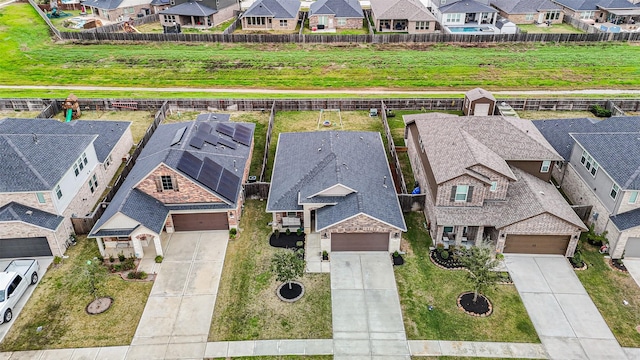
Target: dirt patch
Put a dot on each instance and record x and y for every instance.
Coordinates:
(99, 305)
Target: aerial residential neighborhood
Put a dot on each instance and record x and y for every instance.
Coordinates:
(328, 179)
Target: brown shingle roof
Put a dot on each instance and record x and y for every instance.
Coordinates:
(412, 10)
(479, 93)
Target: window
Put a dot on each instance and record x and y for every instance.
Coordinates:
(84, 158)
(461, 192)
(594, 169)
(454, 18)
(587, 14)
(583, 159)
(76, 170)
(385, 24)
(448, 229)
(40, 197)
(342, 22)
(633, 197)
(107, 162)
(283, 23)
(93, 183)
(546, 164)
(167, 183)
(529, 17)
(169, 18)
(589, 163)
(614, 191)
(494, 186)
(422, 25)
(292, 214)
(255, 21)
(58, 192)
(553, 15)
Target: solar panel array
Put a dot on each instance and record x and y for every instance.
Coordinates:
(190, 164)
(197, 142)
(210, 174)
(228, 143)
(228, 184)
(225, 129)
(242, 135)
(178, 136)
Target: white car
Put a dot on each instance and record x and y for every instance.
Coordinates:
(14, 281)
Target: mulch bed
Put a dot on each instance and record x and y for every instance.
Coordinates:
(99, 305)
(617, 266)
(287, 241)
(582, 266)
(290, 294)
(397, 260)
(482, 306)
(448, 264)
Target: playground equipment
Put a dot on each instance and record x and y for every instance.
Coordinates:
(71, 108)
(330, 118)
(55, 13)
(128, 28)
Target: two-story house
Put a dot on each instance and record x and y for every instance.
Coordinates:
(601, 11)
(52, 171)
(487, 178)
(602, 169)
(202, 14)
(118, 10)
(188, 178)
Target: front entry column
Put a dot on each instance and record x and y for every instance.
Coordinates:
(158, 245)
(459, 230)
(137, 248)
(479, 234)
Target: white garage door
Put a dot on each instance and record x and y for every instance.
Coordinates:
(481, 110)
(632, 249)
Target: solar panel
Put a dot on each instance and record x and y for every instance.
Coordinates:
(211, 139)
(205, 127)
(242, 135)
(178, 136)
(197, 142)
(228, 143)
(225, 129)
(210, 174)
(190, 164)
(228, 185)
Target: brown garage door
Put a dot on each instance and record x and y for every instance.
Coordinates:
(537, 244)
(197, 222)
(360, 242)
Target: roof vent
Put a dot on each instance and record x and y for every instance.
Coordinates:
(28, 212)
(384, 182)
(541, 192)
(35, 138)
(319, 149)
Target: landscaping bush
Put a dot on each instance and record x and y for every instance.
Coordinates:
(57, 260)
(100, 258)
(288, 232)
(111, 258)
(444, 254)
(139, 275)
(232, 233)
(159, 259)
(299, 232)
(121, 257)
(128, 264)
(599, 111)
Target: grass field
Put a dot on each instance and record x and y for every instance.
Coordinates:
(553, 29)
(30, 57)
(543, 115)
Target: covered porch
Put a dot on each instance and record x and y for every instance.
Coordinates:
(135, 245)
(480, 18)
(467, 236)
(393, 25)
(626, 19)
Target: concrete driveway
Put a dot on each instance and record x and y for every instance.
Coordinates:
(367, 318)
(568, 323)
(44, 265)
(633, 266)
(177, 317)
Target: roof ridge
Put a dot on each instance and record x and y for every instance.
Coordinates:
(632, 178)
(27, 162)
(526, 133)
(312, 173)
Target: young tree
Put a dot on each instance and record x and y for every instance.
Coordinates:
(287, 265)
(479, 261)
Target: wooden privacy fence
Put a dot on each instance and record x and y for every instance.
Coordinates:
(50, 111)
(267, 142)
(117, 27)
(44, 17)
(411, 202)
(256, 190)
(397, 168)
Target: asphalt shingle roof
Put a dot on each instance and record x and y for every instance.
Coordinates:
(36, 153)
(309, 162)
(466, 6)
(339, 8)
(594, 4)
(278, 9)
(524, 6)
(412, 10)
(103, 4)
(17, 212)
(189, 8)
(618, 131)
(626, 220)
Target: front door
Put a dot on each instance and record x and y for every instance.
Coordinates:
(540, 18)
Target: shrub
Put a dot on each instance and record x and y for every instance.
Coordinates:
(288, 232)
(100, 258)
(325, 255)
(276, 232)
(232, 233)
(396, 253)
(499, 256)
(128, 264)
(140, 275)
(159, 259)
(599, 111)
(117, 267)
(121, 257)
(111, 258)
(299, 232)
(57, 260)
(299, 243)
(444, 254)
(576, 259)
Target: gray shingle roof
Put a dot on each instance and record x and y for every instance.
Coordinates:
(559, 134)
(278, 9)
(147, 210)
(339, 8)
(189, 8)
(352, 159)
(455, 143)
(17, 212)
(478, 93)
(626, 220)
(36, 153)
(466, 6)
(412, 10)
(524, 6)
(594, 4)
(103, 4)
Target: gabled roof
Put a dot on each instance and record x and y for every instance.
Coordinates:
(526, 198)
(478, 93)
(623, 165)
(36, 153)
(626, 220)
(524, 6)
(453, 143)
(160, 2)
(167, 146)
(14, 211)
(412, 10)
(595, 4)
(339, 8)
(466, 6)
(114, 4)
(278, 9)
(307, 163)
(189, 8)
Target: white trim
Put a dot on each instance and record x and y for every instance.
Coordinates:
(319, 193)
(353, 216)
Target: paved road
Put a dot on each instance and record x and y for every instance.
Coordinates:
(323, 92)
(568, 323)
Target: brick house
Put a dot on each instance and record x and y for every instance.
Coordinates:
(50, 172)
(409, 16)
(463, 12)
(338, 184)
(487, 178)
(601, 169)
(335, 14)
(279, 15)
(201, 14)
(188, 178)
(529, 11)
(478, 102)
(118, 10)
(601, 11)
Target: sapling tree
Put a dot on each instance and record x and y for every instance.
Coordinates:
(287, 265)
(480, 262)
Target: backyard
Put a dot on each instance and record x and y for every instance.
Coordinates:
(247, 307)
(58, 307)
(553, 29)
(421, 284)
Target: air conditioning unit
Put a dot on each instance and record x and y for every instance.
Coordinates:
(125, 158)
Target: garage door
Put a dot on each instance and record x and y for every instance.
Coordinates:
(360, 242)
(481, 110)
(537, 244)
(198, 222)
(25, 247)
(632, 249)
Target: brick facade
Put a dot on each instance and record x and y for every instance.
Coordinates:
(443, 197)
(624, 202)
(185, 192)
(522, 18)
(360, 224)
(55, 238)
(502, 183)
(581, 194)
(618, 239)
(271, 24)
(351, 23)
(119, 13)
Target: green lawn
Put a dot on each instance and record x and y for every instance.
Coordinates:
(247, 307)
(58, 305)
(608, 288)
(553, 29)
(30, 57)
(420, 284)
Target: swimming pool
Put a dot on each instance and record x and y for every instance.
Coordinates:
(470, 29)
